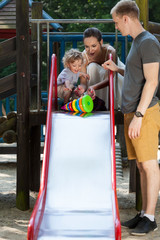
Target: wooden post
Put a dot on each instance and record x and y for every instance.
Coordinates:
(154, 27)
(134, 183)
(144, 12)
(132, 179)
(34, 178)
(138, 191)
(23, 81)
(35, 130)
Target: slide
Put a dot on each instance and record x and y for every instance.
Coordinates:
(77, 198)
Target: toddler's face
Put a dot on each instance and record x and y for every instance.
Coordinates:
(75, 67)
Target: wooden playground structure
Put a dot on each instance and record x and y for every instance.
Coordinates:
(24, 49)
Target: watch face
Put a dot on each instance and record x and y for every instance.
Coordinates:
(138, 114)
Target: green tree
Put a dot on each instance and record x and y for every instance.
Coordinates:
(85, 9)
(154, 9)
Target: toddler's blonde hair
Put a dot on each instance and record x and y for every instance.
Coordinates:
(71, 56)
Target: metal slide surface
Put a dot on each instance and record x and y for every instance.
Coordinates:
(79, 193)
(77, 199)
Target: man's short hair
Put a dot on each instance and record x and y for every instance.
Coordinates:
(126, 7)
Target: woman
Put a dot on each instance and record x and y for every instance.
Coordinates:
(95, 54)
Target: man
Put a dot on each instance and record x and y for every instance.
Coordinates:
(140, 108)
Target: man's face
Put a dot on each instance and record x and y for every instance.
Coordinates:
(120, 23)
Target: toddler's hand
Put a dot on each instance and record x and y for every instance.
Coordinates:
(68, 86)
(79, 90)
(67, 89)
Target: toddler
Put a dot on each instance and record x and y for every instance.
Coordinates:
(68, 78)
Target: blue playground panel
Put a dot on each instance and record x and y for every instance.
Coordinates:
(8, 100)
(7, 106)
(63, 39)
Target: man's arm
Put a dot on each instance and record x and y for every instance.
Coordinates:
(110, 65)
(151, 71)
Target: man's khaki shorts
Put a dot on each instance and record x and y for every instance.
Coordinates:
(144, 147)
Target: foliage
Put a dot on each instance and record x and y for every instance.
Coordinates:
(85, 9)
(154, 15)
(90, 9)
(82, 9)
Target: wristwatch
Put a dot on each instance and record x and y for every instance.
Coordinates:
(138, 114)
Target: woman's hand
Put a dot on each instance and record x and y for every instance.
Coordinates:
(91, 92)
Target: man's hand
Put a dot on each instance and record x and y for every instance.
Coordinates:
(135, 127)
(110, 65)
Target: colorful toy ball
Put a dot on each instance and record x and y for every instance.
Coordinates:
(82, 104)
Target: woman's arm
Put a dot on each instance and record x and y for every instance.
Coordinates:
(83, 79)
(109, 50)
(100, 85)
(91, 89)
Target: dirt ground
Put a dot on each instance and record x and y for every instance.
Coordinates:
(13, 222)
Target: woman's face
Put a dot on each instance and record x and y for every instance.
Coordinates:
(92, 46)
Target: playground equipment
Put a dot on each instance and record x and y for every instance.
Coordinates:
(77, 197)
(28, 121)
(8, 18)
(83, 104)
(29, 114)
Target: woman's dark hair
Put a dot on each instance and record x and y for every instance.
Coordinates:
(92, 32)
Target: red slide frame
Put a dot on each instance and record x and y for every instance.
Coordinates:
(36, 217)
(111, 95)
